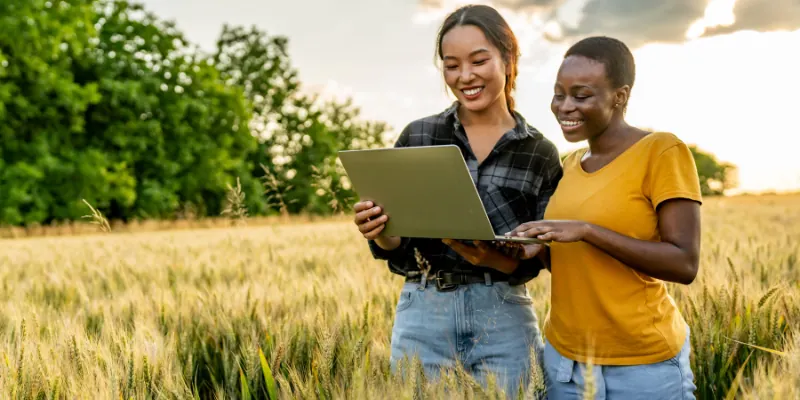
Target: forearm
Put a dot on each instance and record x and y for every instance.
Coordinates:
(506, 265)
(660, 260)
(388, 243)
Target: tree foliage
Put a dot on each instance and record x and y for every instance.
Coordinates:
(715, 176)
(299, 134)
(42, 105)
(103, 101)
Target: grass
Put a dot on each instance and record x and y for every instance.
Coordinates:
(298, 309)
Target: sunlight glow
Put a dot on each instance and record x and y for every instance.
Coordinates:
(718, 13)
(729, 94)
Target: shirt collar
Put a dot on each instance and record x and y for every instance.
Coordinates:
(521, 129)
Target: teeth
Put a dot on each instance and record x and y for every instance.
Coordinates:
(570, 123)
(472, 92)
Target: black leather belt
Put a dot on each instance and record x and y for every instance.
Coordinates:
(448, 281)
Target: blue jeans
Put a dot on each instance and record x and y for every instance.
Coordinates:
(488, 328)
(670, 379)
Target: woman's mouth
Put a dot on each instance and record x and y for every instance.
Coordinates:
(472, 93)
(568, 125)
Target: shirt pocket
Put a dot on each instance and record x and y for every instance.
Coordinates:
(523, 181)
(519, 194)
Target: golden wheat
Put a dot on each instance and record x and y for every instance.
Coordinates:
(190, 313)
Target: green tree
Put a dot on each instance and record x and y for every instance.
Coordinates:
(42, 105)
(715, 176)
(299, 134)
(166, 116)
(103, 101)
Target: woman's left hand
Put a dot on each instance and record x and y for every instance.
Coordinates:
(484, 255)
(556, 231)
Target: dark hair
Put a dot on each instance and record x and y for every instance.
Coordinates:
(497, 31)
(615, 55)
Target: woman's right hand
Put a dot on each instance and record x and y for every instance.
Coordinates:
(371, 221)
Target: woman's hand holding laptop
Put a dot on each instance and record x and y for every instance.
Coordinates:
(371, 221)
(484, 255)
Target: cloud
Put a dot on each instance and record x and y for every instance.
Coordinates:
(634, 21)
(762, 16)
(638, 22)
(648, 21)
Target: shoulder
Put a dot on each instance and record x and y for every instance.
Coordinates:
(541, 145)
(430, 124)
(669, 156)
(543, 148)
(671, 171)
(573, 156)
(433, 120)
(660, 142)
(541, 153)
(539, 137)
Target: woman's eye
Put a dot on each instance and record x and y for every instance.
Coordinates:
(479, 62)
(450, 66)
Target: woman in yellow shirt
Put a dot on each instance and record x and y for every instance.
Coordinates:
(624, 220)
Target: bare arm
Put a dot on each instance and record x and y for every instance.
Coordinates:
(675, 258)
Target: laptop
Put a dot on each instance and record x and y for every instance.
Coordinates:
(426, 191)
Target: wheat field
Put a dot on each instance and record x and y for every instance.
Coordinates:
(300, 310)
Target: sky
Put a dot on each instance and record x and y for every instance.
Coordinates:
(721, 74)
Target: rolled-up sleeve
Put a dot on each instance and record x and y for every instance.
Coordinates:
(380, 254)
(526, 270)
(397, 260)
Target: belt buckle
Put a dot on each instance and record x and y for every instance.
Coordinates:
(442, 287)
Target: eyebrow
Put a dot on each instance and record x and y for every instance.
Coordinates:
(575, 87)
(481, 50)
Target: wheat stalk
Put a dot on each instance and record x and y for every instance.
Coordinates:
(589, 382)
(275, 195)
(235, 203)
(21, 362)
(97, 218)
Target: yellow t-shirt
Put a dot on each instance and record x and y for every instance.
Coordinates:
(601, 309)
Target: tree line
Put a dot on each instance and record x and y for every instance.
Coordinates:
(103, 102)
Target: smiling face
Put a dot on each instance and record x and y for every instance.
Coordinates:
(584, 101)
(474, 69)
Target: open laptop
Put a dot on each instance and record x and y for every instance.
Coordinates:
(426, 191)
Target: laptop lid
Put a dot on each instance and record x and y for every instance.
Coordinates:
(426, 191)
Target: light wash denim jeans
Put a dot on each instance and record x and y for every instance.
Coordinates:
(485, 327)
(666, 380)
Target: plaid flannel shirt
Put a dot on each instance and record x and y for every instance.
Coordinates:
(515, 183)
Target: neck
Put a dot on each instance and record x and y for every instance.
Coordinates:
(496, 114)
(611, 138)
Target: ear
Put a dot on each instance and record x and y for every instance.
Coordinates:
(621, 96)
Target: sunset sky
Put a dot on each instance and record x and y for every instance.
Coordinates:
(722, 74)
